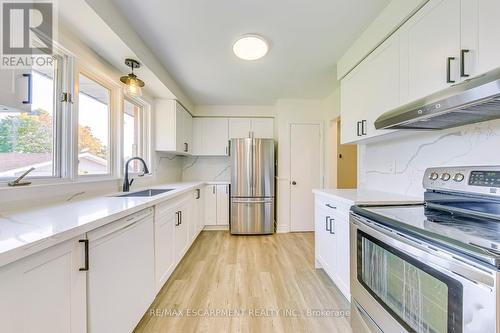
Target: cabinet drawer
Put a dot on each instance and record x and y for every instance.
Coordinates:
(335, 207)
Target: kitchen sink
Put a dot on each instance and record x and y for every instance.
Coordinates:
(146, 193)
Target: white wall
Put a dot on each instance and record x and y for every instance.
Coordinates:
(398, 164)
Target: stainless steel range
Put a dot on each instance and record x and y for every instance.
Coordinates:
(431, 267)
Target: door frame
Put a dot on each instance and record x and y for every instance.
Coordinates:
(321, 162)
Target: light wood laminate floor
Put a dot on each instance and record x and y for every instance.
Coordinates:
(250, 284)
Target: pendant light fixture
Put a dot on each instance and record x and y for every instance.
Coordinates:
(132, 83)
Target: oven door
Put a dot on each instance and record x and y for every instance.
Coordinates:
(400, 284)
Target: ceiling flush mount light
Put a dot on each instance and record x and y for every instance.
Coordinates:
(250, 47)
(133, 84)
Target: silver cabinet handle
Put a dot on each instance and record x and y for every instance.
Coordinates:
(332, 226)
(448, 70)
(86, 249)
(462, 63)
(326, 223)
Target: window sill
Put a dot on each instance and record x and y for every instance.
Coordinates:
(37, 183)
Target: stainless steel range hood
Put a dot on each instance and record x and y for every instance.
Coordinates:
(469, 102)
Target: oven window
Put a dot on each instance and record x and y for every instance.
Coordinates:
(419, 297)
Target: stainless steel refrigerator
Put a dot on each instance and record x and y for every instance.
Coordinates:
(252, 186)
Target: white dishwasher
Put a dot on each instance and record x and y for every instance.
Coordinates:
(121, 281)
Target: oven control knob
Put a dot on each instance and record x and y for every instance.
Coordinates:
(458, 177)
(445, 176)
(433, 176)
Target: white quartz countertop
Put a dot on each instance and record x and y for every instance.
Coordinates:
(28, 231)
(367, 197)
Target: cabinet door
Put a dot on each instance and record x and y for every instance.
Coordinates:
(480, 31)
(182, 229)
(222, 204)
(382, 85)
(215, 133)
(45, 292)
(121, 278)
(179, 129)
(210, 205)
(165, 259)
(352, 106)
(239, 128)
(188, 132)
(200, 209)
(428, 40)
(210, 136)
(321, 234)
(343, 255)
(263, 128)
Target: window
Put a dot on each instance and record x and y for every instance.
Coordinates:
(93, 127)
(29, 122)
(132, 134)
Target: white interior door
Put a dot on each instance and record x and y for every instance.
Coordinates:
(305, 174)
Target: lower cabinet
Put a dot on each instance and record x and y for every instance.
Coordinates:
(45, 292)
(177, 224)
(121, 276)
(103, 281)
(217, 205)
(332, 241)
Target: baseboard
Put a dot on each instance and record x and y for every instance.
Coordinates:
(216, 228)
(282, 229)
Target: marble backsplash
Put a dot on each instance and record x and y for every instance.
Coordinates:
(397, 163)
(206, 168)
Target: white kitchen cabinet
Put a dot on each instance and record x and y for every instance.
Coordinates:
(210, 192)
(45, 292)
(223, 204)
(183, 217)
(165, 257)
(121, 276)
(480, 30)
(210, 137)
(217, 205)
(430, 49)
(262, 128)
(173, 127)
(377, 80)
(198, 221)
(332, 241)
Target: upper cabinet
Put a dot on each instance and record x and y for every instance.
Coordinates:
(369, 90)
(174, 127)
(444, 43)
(430, 49)
(262, 128)
(210, 137)
(480, 31)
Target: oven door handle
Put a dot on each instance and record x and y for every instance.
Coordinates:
(432, 256)
(368, 321)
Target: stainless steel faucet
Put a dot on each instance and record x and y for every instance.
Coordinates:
(18, 181)
(145, 171)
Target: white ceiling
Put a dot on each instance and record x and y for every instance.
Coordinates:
(193, 39)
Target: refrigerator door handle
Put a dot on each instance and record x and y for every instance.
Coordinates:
(252, 201)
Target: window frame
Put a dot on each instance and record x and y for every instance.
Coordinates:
(144, 132)
(115, 101)
(58, 126)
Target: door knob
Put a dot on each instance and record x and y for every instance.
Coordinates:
(294, 182)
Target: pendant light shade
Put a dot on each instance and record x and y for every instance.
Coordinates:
(132, 83)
